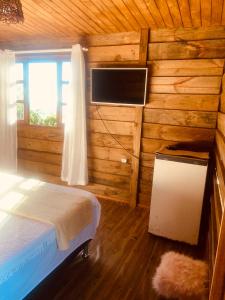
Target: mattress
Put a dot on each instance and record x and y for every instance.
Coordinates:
(29, 252)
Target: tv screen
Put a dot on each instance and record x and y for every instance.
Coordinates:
(118, 86)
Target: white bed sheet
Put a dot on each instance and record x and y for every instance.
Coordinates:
(28, 251)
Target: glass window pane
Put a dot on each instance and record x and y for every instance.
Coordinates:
(65, 92)
(19, 71)
(43, 93)
(19, 91)
(66, 71)
(20, 111)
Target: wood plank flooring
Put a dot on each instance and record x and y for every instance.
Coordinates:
(123, 259)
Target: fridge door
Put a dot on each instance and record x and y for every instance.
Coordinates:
(177, 197)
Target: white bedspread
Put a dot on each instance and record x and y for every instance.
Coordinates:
(16, 233)
(69, 209)
(17, 238)
(28, 248)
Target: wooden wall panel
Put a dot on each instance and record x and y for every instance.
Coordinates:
(217, 218)
(220, 145)
(107, 153)
(187, 34)
(116, 113)
(185, 85)
(39, 167)
(150, 146)
(113, 53)
(40, 145)
(221, 122)
(181, 118)
(192, 67)
(114, 127)
(186, 68)
(111, 129)
(221, 185)
(187, 49)
(39, 132)
(185, 102)
(111, 167)
(112, 141)
(41, 156)
(130, 38)
(222, 103)
(177, 133)
(113, 180)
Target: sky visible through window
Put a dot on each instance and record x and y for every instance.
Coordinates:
(47, 87)
(43, 88)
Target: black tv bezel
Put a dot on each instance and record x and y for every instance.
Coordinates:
(116, 103)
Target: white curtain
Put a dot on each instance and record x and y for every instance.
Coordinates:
(8, 132)
(74, 161)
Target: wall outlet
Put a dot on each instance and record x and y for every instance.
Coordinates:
(124, 160)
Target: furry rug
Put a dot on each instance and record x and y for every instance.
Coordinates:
(179, 276)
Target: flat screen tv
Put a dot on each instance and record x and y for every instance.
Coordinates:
(122, 86)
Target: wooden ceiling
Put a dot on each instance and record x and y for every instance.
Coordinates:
(57, 19)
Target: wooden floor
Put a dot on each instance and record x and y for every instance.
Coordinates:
(123, 259)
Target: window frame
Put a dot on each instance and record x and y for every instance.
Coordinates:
(60, 82)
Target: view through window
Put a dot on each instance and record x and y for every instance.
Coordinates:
(42, 92)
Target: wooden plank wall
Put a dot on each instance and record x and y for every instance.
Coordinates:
(182, 103)
(184, 88)
(217, 220)
(112, 134)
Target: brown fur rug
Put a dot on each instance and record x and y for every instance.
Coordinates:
(181, 277)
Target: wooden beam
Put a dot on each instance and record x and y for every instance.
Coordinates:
(216, 291)
(138, 126)
(136, 158)
(143, 51)
(220, 179)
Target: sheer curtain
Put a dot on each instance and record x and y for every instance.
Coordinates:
(8, 132)
(74, 161)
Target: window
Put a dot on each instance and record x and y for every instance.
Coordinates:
(66, 74)
(42, 92)
(20, 91)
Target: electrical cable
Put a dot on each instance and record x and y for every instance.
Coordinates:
(108, 131)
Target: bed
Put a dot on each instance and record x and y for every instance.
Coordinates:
(29, 250)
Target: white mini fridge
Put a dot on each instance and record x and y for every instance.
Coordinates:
(177, 197)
